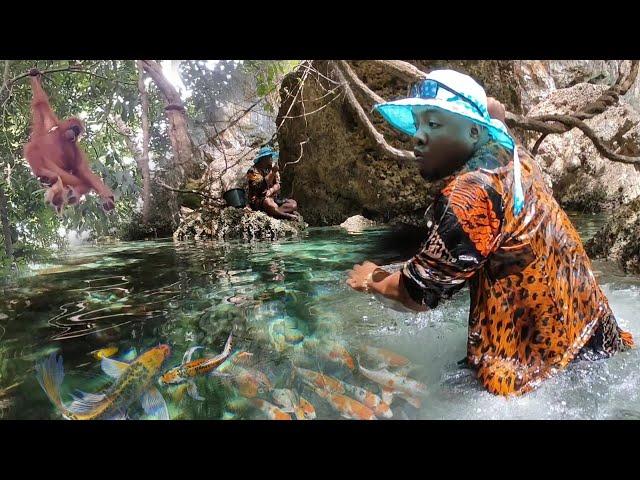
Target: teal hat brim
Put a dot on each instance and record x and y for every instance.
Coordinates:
(400, 116)
(265, 153)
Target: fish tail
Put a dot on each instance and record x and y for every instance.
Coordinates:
(50, 374)
(227, 345)
(627, 339)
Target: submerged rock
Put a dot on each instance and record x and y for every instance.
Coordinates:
(234, 223)
(619, 239)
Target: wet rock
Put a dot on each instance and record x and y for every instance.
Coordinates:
(581, 178)
(357, 223)
(619, 239)
(234, 223)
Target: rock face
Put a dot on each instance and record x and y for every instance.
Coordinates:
(538, 78)
(234, 223)
(581, 178)
(333, 170)
(619, 240)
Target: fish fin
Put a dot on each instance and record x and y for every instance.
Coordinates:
(386, 394)
(229, 416)
(227, 346)
(50, 374)
(216, 373)
(130, 355)
(84, 402)
(192, 390)
(189, 353)
(113, 368)
(118, 415)
(153, 404)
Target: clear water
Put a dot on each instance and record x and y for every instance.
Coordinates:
(144, 293)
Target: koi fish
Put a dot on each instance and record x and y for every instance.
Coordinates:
(329, 350)
(347, 407)
(249, 381)
(270, 410)
(393, 383)
(104, 352)
(133, 381)
(386, 357)
(333, 385)
(291, 402)
(190, 369)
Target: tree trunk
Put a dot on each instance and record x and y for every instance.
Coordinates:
(4, 214)
(143, 160)
(185, 156)
(6, 226)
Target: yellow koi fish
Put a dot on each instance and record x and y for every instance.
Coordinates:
(104, 352)
(133, 381)
(291, 402)
(333, 385)
(190, 369)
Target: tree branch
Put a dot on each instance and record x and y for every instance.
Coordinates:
(353, 78)
(381, 145)
(404, 70)
(163, 185)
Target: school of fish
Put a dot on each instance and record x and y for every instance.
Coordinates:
(136, 378)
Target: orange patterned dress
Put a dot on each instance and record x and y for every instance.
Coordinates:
(535, 304)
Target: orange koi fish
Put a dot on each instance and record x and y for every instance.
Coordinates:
(330, 350)
(393, 383)
(270, 410)
(291, 402)
(347, 407)
(190, 369)
(250, 381)
(333, 385)
(386, 357)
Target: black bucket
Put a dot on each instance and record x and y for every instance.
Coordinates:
(235, 197)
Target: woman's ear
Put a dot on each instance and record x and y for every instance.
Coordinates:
(474, 133)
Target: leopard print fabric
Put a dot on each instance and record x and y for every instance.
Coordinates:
(535, 303)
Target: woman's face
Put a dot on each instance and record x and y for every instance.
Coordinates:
(265, 163)
(443, 142)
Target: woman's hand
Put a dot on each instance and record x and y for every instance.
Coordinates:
(359, 276)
